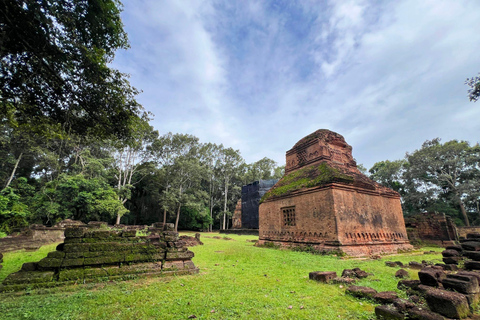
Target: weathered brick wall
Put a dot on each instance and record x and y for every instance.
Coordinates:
(324, 201)
(432, 227)
(87, 254)
(463, 231)
(335, 217)
(237, 215)
(314, 218)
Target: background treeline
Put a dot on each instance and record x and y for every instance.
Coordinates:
(75, 143)
(436, 178)
(144, 179)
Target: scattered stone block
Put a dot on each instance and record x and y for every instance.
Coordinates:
(388, 312)
(408, 284)
(417, 313)
(461, 283)
(348, 273)
(322, 276)
(471, 246)
(451, 260)
(447, 303)
(392, 264)
(403, 305)
(402, 274)
(385, 297)
(470, 273)
(472, 265)
(455, 247)
(361, 292)
(431, 276)
(422, 289)
(474, 255)
(450, 253)
(450, 267)
(415, 265)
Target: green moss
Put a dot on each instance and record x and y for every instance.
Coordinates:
(307, 177)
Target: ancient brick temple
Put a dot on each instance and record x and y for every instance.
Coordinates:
(324, 201)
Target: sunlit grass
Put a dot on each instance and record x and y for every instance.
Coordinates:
(236, 281)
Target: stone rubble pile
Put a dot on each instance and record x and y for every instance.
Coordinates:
(444, 290)
(91, 252)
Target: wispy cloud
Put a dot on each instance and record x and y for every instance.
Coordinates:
(260, 75)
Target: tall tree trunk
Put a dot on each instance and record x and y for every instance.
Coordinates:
(14, 170)
(178, 218)
(164, 217)
(225, 205)
(464, 213)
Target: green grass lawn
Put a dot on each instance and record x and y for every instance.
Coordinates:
(236, 281)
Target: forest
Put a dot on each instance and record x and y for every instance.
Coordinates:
(75, 143)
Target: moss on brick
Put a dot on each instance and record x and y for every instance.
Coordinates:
(307, 177)
(71, 274)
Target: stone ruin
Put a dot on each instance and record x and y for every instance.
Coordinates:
(245, 216)
(325, 202)
(90, 253)
(443, 290)
(36, 235)
(237, 216)
(431, 227)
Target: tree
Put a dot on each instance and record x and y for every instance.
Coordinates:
(178, 158)
(263, 169)
(389, 174)
(54, 65)
(75, 197)
(129, 155)
(474, 91)
(445, 171)
(228, 169)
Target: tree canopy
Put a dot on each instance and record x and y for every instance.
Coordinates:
(443, 177)
(54, 64)
(474, 91)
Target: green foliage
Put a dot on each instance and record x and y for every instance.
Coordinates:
(389, 174)
(307, 177)
(13, 212)
(78, 198)
(242, 282)
(55, 57)
(474, 91)
(194, 219)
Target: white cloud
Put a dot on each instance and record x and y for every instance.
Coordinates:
(258, 76)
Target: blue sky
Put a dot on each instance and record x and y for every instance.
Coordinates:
(259, 75)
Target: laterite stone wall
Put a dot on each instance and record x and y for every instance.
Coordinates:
(88, 254)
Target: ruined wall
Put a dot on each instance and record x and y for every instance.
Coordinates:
(432, 227)
(88, 254)
(463, 231)
(237, 215)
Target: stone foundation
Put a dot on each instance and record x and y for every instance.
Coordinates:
(88, 254)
